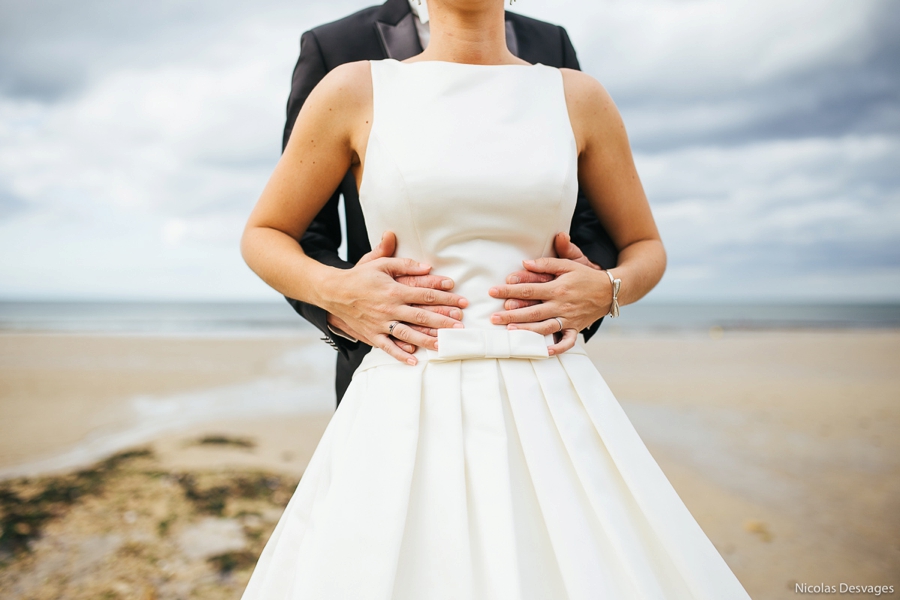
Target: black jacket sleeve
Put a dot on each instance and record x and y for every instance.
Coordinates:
(323, 236)
(308, 72)
(586, 231)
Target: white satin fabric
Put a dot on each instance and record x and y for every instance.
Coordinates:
(489, 470)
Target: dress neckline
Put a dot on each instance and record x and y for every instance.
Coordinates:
(448, 62)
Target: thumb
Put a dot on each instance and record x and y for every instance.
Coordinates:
(384, 249)
(397, 267)
(389, 243)
(551, 266)
(565, 248)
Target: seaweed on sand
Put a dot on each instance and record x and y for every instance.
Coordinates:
(233, 561)
(212, 499)
(224, 440)
(27, 505)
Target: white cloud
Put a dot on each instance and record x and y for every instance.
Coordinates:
(132, 148)
(698, 47)
(774, 189)
(788, 211)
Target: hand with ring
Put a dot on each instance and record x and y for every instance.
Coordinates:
(392, 303)
(558, 296)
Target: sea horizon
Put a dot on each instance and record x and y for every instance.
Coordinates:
(270, 317)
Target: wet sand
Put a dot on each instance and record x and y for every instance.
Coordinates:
(68, 400)
(782, 444)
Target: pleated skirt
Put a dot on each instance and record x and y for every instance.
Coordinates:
(486, 479)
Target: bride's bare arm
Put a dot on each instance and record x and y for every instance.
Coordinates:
(327, 139)
(610, 180)
(320, 151)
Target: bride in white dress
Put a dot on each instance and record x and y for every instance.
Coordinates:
(483, 465)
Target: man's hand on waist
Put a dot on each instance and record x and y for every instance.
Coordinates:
(555, 295)
(380, 291)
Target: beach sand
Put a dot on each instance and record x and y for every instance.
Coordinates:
(783, 444)
(67, 400)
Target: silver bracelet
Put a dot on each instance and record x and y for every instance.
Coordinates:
(614, 307)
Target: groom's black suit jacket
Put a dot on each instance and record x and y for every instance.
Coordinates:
(389, 31)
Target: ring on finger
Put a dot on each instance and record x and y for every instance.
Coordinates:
(558, 320)
(391, 328)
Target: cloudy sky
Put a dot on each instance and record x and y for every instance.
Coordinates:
(136, 136)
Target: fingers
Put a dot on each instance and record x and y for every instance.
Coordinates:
(532, 314)
(553, 266)
(522, 291)
(567, 342)
(407, 334)
(404, 346)
(432, 297)
(384, 342)
(435, 282)
(447, 311)
(426, 330)
(397, 267)
(514, 304)
(528, 277)
(545, 327)
(522, 277)
(425, 318)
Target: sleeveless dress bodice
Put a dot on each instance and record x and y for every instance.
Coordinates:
(488, 470)
(473, 167)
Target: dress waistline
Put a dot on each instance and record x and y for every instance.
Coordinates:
(475, 344)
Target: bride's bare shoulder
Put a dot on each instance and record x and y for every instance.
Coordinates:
(346, 86)
(591, 108)
(584, 91)
(339, 107)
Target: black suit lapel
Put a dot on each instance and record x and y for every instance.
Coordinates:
(399, 41)
(396, 29)
(512, 41)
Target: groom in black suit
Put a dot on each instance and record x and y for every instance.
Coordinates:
(398, 29)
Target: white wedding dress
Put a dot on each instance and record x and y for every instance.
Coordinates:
(489, 470)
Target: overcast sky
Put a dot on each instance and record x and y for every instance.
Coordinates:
(135, 138)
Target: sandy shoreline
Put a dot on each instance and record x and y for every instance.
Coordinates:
(68, 400)
(783, 445)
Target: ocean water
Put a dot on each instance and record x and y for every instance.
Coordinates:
(160, 318)
(278, 318)
(749, 316)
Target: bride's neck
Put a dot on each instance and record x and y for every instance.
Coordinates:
(474, 36)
